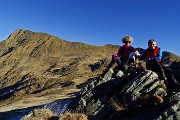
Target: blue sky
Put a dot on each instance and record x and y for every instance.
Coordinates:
(96, 22)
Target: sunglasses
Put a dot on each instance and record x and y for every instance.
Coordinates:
(127, 41)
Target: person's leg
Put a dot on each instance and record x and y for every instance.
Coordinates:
(132, 61)
(118, 62)
(111, 64)
(150, 65)
(121, 66)
(155, 66)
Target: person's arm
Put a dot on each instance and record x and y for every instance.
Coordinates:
(142, 56)
(116, 56)
(159, 56)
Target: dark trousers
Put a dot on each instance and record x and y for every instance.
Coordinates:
(113, 61)
(163, 72)
(155, 66)
(118, 62)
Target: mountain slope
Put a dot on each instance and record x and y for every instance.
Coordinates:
(34, 65)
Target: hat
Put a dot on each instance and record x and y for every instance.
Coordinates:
(127, 38)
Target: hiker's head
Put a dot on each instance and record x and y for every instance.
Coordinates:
(127, 40)
(152, 44)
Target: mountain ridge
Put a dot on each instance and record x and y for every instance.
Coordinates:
(38, 64)
(33, 63)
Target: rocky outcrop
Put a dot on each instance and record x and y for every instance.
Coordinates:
(133, 94)
(173, 111)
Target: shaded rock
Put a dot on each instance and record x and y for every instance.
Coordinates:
(95, 94)
(145, 84)
(133, 94)
(171, 113)
(97, 65)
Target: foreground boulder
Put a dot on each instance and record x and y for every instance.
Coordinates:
(135, 94)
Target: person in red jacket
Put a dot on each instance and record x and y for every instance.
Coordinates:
(153, 58)
(122, 56)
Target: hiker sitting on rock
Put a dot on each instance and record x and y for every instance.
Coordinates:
(153, 56)
(122, 57)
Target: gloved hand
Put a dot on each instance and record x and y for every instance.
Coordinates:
(115, 57)
(137, 53)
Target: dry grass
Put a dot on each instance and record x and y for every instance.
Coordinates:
(146, 97)
(73, 116)
(158, 99)
(41, 114)
(162, 85)
(116, 105)
(46, 114)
